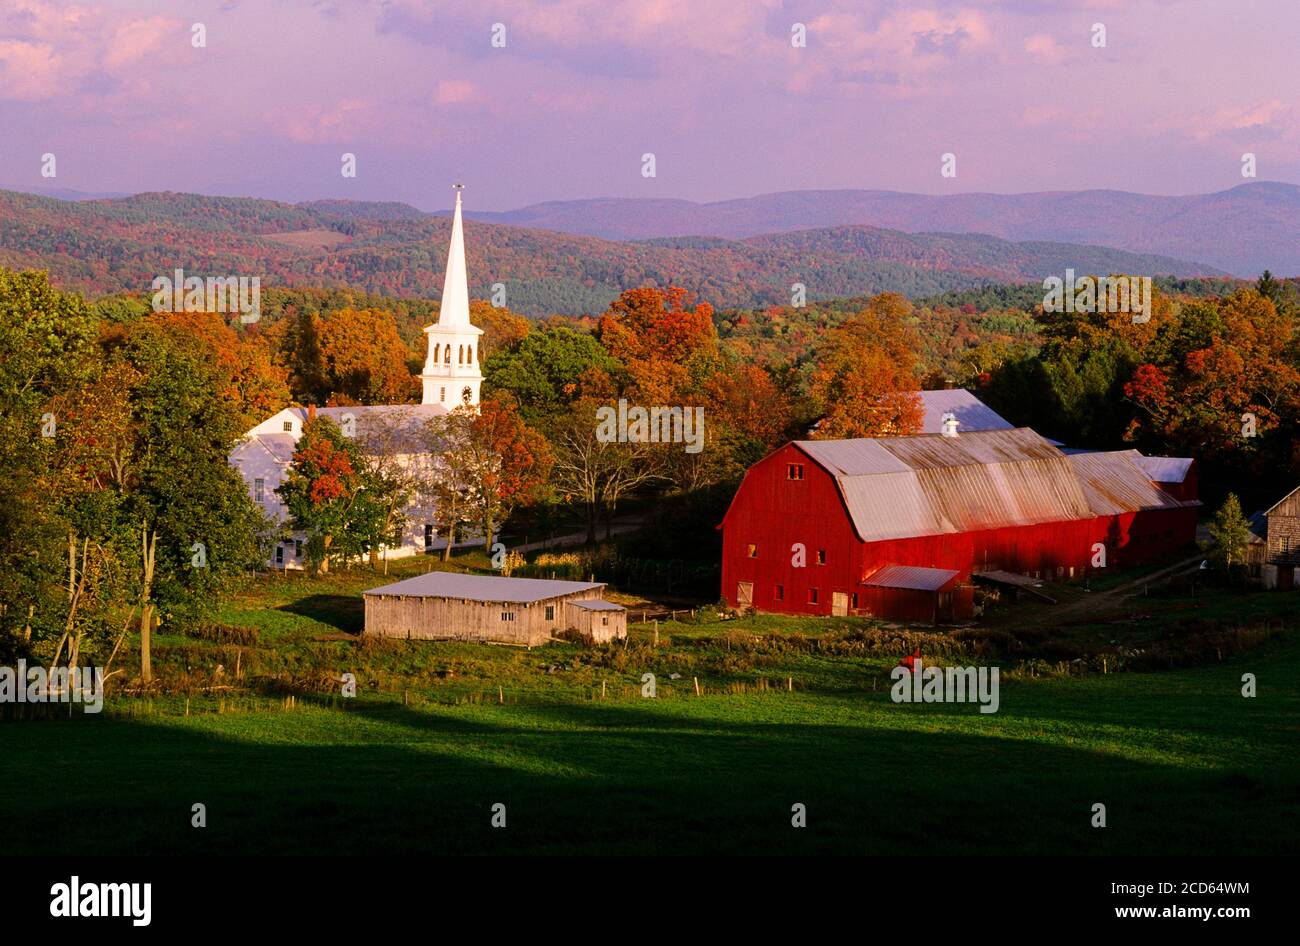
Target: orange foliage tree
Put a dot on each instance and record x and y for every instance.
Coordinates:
(866, 377)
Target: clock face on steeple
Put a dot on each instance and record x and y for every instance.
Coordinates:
(467, 395)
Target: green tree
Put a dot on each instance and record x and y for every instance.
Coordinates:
(1230, 532)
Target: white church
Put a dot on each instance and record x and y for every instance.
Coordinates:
(450, 377)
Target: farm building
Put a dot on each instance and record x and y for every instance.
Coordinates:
(899, 526)
(1274, 551)
(451, 606)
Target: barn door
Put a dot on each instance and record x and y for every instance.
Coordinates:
(839, 604)
(745, 594)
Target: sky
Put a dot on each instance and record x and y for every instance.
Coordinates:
(581, 90)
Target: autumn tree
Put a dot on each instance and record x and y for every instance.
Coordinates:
(667, 345)
(505, 463)
(865, 379)
(321, 487)
(366, 361)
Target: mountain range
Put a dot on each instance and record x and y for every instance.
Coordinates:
(112, 245)
(1245, 230)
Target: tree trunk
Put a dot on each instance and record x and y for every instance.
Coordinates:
(488, 530)
(451, 540)
(325, 554)
(591, 523)
(149, 546)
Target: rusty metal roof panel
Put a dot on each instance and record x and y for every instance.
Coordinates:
(935, 485)
(1115, 482)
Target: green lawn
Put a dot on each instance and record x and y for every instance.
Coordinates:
(1184, 763)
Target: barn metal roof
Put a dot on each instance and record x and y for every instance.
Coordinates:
(912, 577)
(1116, 482)
(490, 588)
(970, 411)
(596, 604)
(898, 487)
(1165, 469)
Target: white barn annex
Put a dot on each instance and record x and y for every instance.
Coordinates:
(451, 377)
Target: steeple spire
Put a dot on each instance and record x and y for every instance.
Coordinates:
(455, 288)
(451, 373)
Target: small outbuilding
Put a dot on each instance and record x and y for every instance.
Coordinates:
(452, 606)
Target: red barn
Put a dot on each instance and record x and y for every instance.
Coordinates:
(897, 526)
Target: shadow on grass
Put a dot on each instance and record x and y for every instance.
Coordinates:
(584, 779)
(347, 613)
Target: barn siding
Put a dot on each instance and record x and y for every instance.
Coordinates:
(773, 513)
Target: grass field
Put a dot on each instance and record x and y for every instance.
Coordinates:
(415, 762)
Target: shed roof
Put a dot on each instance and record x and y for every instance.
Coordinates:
(912, 577)
(491, 588)
(596, 604)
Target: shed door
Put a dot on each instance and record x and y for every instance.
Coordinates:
(839, 604)
(745, 594)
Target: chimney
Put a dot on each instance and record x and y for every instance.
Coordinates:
(950, 423)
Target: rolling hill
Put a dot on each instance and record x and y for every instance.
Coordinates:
(107, 246)
(1245, 230)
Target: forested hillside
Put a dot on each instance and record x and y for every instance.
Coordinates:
(106, 246)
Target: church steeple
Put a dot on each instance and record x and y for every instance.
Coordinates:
(451, 373)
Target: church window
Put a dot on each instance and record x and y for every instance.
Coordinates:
(437, 351)
(279, 555)
(442, 394)
(259, 490)
(460, 355)
(428, 535)
(446, 355)
(288, 426)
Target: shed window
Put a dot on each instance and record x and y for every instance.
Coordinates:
(794, 471)
(812, 595)
(507, 615)
(604, 621)
(259, 490)
(550, 612)
(753, 550)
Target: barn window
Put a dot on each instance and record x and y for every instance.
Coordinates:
(753, 550)
(780, 592)
(259, 490)
(812, 595)
(855, 599)
(821, 556)
(507, 615)
(550, 612)
(794, 471)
